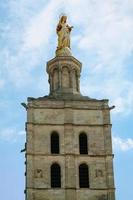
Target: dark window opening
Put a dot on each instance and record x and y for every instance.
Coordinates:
(83, 176)
(55, 176)
(55, 143)
(83, 146)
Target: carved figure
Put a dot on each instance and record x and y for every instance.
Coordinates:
(99, 173)
(63, 31)
(38, 173)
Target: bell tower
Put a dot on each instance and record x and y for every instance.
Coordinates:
(68, 141)
(64, 76)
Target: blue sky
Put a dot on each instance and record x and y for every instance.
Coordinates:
(102, 39)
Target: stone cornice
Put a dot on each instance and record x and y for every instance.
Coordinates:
(71, 188)
(64, 59)
(71, 154)
(73, 124)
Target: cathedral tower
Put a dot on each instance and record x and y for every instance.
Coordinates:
(68, 141)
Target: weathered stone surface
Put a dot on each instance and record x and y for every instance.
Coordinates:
(69, 119)
(68, 113)
(64, 75)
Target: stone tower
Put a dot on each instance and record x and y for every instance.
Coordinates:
(68, 144)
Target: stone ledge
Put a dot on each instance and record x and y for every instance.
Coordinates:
(74, 188)
(64, 58)
(79, 102)
(75, 155)
(63, 97)
(62, 124)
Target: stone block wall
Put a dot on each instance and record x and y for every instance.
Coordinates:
(69, 119)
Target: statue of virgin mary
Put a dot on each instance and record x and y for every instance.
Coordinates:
(63, 31)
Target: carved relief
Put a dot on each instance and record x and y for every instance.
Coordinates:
(98, 173)
(38, 173)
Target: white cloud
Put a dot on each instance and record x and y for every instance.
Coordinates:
(119, 91)
(11, 134)
(122, 144)
(40, 27)
(31, 41)
(105, 31)
(101, 28)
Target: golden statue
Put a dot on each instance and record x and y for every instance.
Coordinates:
(63, 31)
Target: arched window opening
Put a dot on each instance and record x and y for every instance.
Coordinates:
(83, 176)
(65, 77)
(55, 143)
(83, 146)
(55, 79)
(74, 79)
(55, 176)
